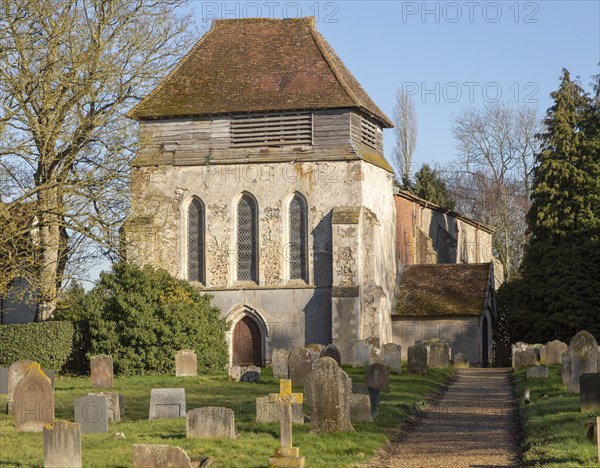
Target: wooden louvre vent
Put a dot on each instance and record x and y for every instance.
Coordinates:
(271, 129)
(368, 132)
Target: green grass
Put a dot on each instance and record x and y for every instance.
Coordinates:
(255, 443)
(555, 429)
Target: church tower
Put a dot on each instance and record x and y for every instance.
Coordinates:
(261, 179)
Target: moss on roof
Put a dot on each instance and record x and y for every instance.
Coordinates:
(443, 289)
(254, 65)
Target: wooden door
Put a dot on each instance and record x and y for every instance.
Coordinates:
(246, 343)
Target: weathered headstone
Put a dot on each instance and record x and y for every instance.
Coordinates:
(373, 342)
(114, 402)
(300, 365)
(267, 411)
(333, 352)
(460, 361)
(540, 353)
(286, 455)
(523, 355)
(315, 350)
(33, 401)
(330, 390)
(583, 351)
(167, 403)
(537, 372)
(62, 445)
(91, 412)
(16, 371)
(361, 354)
(438, 354)
(160, 456)
(589, 395)
(377, 376)
(186, 363)
(51, 375)
(360, 408)
(244, 373)
(3, 380)
(279, 363)
(565, 367)
(101, 371)
(554, 351)
(391, 356)
(210, 422)
(417, 359)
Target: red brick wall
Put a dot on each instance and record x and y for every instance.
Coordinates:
(405, 229)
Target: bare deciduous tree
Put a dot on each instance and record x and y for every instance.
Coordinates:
(496, 146)
(69, 70)
(405, 131)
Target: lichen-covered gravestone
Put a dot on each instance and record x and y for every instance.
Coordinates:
(101, 371)
(300, 365)
(360, 408)
(279, 363)
(417, 359)
(523, 355)
(160, 456)
(365, 352)
(315, 350)
(438, 354)
(589, 395)
(16, 371)
(330, 390)
(268, 411)
(186, 363)
(554, 351)
(583, 351)
(391, 356)
(210, 422)
(333, 352)
(62, 445)
(33, 401)
(114, 403)
(167, 403)
(91, 412)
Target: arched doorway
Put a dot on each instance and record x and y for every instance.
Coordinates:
(247, 343)
(485, 343)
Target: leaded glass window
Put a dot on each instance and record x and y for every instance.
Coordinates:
(298, 267)
(195, 241)
(247, 233)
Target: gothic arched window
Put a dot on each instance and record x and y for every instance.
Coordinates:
(298, 238)
(247, 234)
(195, 241)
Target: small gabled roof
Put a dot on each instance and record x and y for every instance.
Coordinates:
(258, 65)
(443, 289)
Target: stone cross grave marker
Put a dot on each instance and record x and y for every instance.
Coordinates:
(267, 412)
(286, 455)
(91, 412)
(101, 370)
(186, 363)
(16, 371)
(33, 401)
(167, 403)
(583, 351)
(62, 445)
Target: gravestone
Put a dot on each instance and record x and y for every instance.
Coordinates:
(377, 376)
(360, 408)
(267, 411)
(375, 349)
(244, 373)
(91, 412)
(524, 356)
(461, 361)
(114, 402)
(315, 350)
(62, 445)
(160, 456)
(537, 372)
(186, 363)
(33, 401)
(589, 395)
(438, 354)
(3, 380)
(167, 403)
(330, 390)
(540, 353)
(583, 351)
(417, 359)
(391, 356)
(279, 363)
(565, 367)
(210, 422)
(554, 351)
(16, 371)
(333, 352)
(101, 371)
(365, 352)
(300, 365)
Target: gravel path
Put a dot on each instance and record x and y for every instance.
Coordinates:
(473, 424)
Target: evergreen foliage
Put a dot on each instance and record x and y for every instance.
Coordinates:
(429, 186)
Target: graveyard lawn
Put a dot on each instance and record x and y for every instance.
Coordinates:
(255, 442)
(555, 429)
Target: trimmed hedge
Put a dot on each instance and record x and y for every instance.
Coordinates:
(49, 343)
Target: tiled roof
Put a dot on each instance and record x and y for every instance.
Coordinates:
(443, 289)
(258, 65)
